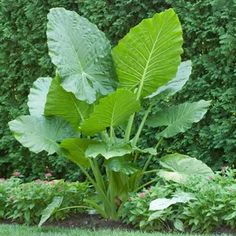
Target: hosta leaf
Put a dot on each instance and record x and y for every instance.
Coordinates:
(65, 104)
(160, 204)
(40, 133)
(50, 209)
(81, 53)
(176, 84)
(179, 168)
(111, 111)
(178, 118)
(149, 55)
(38, 96)
(75, 150)
(121, 164)
(106, 151)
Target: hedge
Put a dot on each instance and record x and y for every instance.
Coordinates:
(209, 42)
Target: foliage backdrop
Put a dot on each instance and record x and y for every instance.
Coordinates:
(209, 41)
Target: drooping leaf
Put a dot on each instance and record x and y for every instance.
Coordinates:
(65, 104)
(163, 203)
(40, 133)
(149, 55)
(50, 209)
(111, 111)
(179, 168)
(81, 53)
(176, 84)
(121, 164)
(107, 151)
(75, 149)
(38, 96)
(178, 118)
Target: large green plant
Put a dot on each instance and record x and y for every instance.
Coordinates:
(87, 111)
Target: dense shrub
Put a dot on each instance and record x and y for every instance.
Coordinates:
(25, 202)
(212, 208)
(209, 40)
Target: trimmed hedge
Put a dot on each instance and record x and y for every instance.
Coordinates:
(209, 42)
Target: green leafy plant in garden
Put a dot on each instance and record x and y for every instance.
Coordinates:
(35, 202)
(197, 205)
(87, 111)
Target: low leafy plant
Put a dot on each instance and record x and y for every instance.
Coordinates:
(87, 111)
(197, 205)
(27, 202)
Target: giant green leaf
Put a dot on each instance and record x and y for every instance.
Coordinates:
(40, 133)
(75, 150)
(38, 96)
(111, 111)
(178, 118)
(81, 53)
(149, 55)
(65, 104)
(180, 168)
(108, 151)
(176, 84)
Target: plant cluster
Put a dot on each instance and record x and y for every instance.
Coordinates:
(88, 111)
(31, 202)
(211, 206)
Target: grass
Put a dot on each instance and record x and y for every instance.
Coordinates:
(15, 230)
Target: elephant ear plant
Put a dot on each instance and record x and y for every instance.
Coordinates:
(87, 111)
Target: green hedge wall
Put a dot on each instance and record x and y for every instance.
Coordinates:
(209, 42)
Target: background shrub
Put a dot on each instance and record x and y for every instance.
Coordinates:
(209, 41)
(25, 202)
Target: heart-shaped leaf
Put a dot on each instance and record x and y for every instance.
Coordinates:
(178, 118)
(40, 133)
(81, 53)
(179, 168)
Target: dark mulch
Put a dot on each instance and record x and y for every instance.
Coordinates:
(89, 222)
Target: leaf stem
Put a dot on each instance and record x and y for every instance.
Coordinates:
(129, 127)
(136, 138)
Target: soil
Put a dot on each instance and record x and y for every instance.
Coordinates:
(89, 222)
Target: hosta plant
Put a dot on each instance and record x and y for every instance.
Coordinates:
(87, 111)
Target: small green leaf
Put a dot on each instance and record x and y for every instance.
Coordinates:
(50, 209)
(178, 118)
(40, 133)
(111, 111)
(121, 164)
(179, 168)
(75, 150)
(163, 203)
(107, 151)
(155, 215)
(38, 96)
(178, 224)
(65, 104)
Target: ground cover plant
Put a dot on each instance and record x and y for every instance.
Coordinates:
(87, 111)
(35, 202)
(197, 205)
